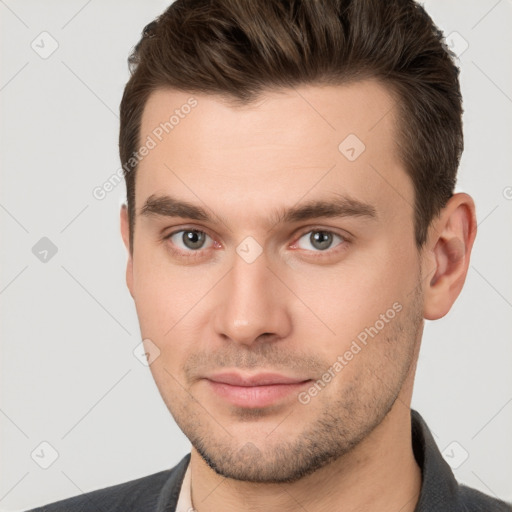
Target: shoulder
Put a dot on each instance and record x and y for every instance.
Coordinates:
(476, 501)
(440, 491)
(141, 494)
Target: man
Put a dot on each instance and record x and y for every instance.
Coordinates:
(291, 222)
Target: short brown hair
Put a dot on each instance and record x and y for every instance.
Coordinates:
(240, 48)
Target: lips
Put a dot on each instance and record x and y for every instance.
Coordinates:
(252, 391)
(259, 379)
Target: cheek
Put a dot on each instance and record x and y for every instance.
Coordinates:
(154, 291)
(345, 298)
(155, 281)
(363, 293)
(172, 301)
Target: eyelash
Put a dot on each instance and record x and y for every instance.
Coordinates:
(191, 254)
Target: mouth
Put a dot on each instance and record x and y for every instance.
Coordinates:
(254, 391)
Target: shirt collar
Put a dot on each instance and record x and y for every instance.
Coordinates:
(185, 497)
(439, 489)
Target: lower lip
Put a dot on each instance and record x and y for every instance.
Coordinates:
(255, 396)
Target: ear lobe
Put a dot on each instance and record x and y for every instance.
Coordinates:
(125, 233)
(451, 239)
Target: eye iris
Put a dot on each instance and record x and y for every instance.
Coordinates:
(321, 240)
(193, 239)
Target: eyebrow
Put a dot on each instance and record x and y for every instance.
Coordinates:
(338, 206)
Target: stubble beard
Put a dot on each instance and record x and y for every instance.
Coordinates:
(340, 425)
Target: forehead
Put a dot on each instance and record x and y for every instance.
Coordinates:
(295, 143)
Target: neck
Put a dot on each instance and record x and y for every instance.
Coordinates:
(380, 473)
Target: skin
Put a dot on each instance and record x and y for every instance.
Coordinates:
(298, 305)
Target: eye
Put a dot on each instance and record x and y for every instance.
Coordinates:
(319, 240)
(189, 240)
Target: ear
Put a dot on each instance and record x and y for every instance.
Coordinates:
(446, 255)
(125, 233)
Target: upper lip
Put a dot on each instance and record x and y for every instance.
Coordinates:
(259, 379)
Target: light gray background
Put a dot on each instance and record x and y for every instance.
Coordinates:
(69, 328)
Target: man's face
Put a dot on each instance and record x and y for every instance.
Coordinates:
(285, 334)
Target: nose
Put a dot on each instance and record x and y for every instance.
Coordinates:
(252, 303)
